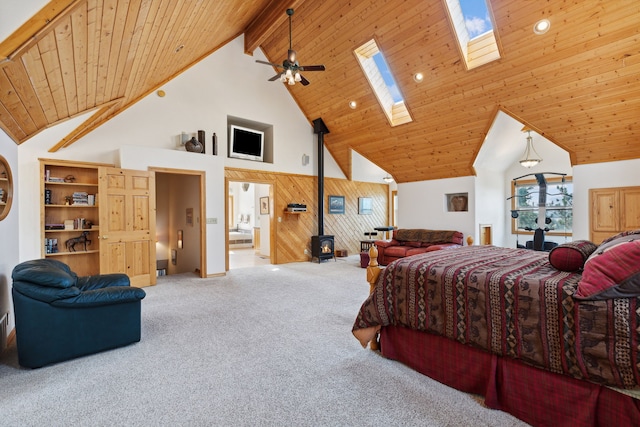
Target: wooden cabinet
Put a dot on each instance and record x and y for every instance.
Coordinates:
(613, 210)
(99, 219)
(69, 215)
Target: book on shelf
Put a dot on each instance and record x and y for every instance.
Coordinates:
(54, 226)
(80, 198)
(50, 246)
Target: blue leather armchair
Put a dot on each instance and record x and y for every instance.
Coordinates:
(60, 316)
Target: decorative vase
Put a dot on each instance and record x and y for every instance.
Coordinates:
(202, 140)
(193, 145)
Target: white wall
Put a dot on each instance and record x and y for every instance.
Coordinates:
(146, 134)
(422, 205)
(601, 175)
(9, 231)
(490, 190)
(263, 221)
(15, 13)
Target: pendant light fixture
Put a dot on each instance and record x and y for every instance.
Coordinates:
(531, 156)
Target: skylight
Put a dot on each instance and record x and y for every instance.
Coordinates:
(389, 81)
(476, 17)
(382, 82)
(477, 40)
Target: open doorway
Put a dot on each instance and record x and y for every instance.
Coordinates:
(180, 229)
(248, 224)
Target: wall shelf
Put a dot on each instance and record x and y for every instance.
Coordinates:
(65, 253)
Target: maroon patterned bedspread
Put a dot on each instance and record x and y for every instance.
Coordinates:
(513, 303)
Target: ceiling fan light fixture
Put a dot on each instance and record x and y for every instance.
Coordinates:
(530, 157)
(290, 67)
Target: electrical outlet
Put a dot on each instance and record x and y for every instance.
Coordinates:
(212, 220)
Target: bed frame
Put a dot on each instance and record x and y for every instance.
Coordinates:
(536, 396)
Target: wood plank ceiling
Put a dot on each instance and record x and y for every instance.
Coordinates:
(578, 84)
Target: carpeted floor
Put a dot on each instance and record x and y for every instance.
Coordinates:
(262, 346)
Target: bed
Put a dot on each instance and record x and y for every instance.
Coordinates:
(240, 238)
(551, 338)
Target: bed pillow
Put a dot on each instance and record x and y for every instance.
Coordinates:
(613, 270)
(571, 256)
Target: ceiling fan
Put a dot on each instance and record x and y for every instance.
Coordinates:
(290, 67)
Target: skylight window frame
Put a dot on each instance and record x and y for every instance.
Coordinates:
(477, 51)
(397, 113)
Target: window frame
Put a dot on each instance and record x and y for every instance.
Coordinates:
(532, 182)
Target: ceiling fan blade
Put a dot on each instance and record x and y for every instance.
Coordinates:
(312, 67)
(303, 80)
(268, 63)
(274, 78)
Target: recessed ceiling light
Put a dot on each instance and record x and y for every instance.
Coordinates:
(542, 26)
(418, 77)
(353, 105)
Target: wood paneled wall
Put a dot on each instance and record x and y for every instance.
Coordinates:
(291, 236)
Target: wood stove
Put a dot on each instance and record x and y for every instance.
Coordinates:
(322, 248)
(321, 245)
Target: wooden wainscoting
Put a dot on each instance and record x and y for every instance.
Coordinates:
(291, 236)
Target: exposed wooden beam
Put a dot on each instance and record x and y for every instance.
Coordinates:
(86, 127)
(28, 33)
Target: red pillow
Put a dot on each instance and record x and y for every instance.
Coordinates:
(613, 270)
(571, 256)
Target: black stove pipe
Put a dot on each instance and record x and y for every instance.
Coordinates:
(320, 128)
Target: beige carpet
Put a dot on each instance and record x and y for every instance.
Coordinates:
(263, 346)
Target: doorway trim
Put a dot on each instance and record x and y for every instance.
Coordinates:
(486, 234)
(271, 184)
(202, 213)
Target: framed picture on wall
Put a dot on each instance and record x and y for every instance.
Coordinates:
(365, 205)
(264, 205)
(190, 217)
(336, 204)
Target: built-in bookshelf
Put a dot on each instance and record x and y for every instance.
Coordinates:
(70, 215)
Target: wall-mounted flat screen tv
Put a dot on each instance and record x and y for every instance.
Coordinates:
(245, 143)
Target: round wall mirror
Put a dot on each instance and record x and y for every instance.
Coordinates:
(6, 188)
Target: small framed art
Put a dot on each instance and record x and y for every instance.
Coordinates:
(264, 205)
(336, 204)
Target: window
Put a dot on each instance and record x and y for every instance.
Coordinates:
(525, 198)
(382, 82)
(473, 27)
